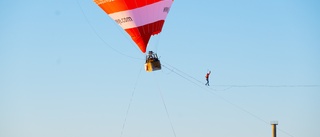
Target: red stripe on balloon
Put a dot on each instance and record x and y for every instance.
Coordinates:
(141, 35)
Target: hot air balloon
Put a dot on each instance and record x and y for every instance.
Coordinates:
(141, 19)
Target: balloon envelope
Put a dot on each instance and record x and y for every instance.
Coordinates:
(139, 18)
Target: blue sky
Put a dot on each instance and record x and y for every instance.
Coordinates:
(66, 69)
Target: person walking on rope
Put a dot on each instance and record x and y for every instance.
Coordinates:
(207, 78)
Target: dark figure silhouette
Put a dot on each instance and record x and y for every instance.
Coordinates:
(207, 78)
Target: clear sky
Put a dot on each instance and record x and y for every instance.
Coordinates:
(68, 70)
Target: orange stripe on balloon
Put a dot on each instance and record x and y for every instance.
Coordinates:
(112, 6)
